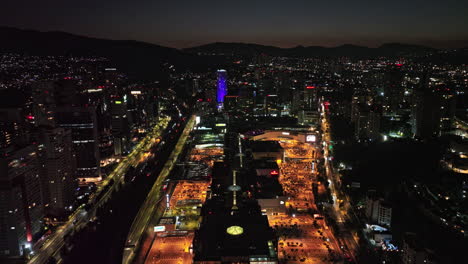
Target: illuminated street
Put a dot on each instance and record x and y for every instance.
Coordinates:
(147, 210)
(341, 214)
(181, 216)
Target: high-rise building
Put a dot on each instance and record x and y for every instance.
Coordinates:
(195, 86)
(414, 253)
(426, 115)
(48, 95)
(393, 89)
(221, 91)
(21, 208)
(58, 180)
(447, 108)
(357, 100)
(433, 110)
(296, 100)
(308, 117)
(143, 107)
(44, 104)
(83, 125)
(367, 122)
(310, 97)
(13, 127)
(379, 212)
(120, 127)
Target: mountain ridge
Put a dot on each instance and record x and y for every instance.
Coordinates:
(146, 60)
(5, 29)
(386, 49)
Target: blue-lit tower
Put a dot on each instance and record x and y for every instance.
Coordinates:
(222, 87)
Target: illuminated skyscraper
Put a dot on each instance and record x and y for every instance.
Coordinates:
(82, 122)
(21, 209)
(120, 126)
(222, 87)
(59, 181)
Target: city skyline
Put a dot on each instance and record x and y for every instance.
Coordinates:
(253, 132)
(183, 25)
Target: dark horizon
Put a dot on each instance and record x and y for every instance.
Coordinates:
(182, 25)
(433, 44)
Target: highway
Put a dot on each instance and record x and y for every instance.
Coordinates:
(341, 214)
(149, 207)
(80, 218)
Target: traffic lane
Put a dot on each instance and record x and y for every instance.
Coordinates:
(146, 210)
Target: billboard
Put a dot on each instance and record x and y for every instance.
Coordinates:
(311, 138)
(159, 228)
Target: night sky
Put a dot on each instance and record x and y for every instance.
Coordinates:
(287, 23)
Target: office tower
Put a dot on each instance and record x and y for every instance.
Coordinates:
(310, 101)
(120, 127)
(433, 110)
(358, 99)
(266, 85)
(355, 102)
(48, 95)
(83, 125)
(308, 117)
(379, 212)
(393, 89)
(143, 107)
(195, 86)
(43, 94)
(21, 208)
(271, 105)
(447, 108)
(221, 91)
(367, 122)
(296, 100)
(426, 115)
(191, 86)
(13, 126)
(58, 180)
